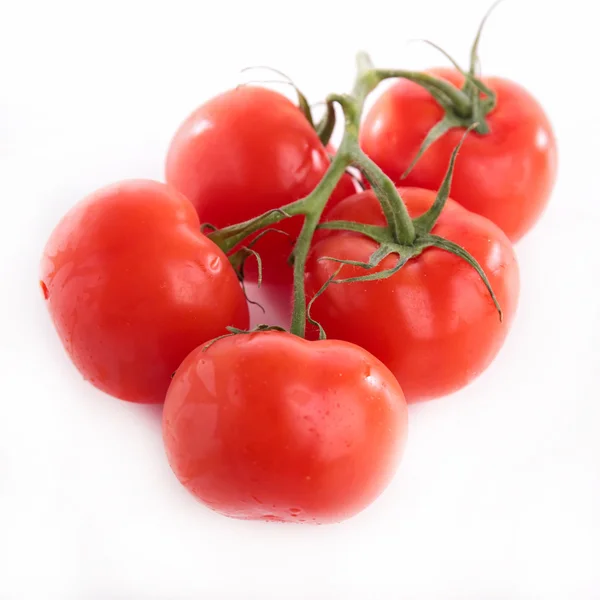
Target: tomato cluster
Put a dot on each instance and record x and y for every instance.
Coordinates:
(415, 292)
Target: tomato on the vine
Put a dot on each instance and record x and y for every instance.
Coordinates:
(433, 322)
(273, 427)
(243, 153)
(133, 286)
(506, 174)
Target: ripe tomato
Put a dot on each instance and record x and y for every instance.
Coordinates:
(243, 153)
(506, 175)
(433, 323)
(133, 286)
(271, 426)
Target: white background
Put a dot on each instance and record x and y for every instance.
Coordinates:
(498, 495)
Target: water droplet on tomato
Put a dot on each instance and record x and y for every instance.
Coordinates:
(272, 518)
(44, 290)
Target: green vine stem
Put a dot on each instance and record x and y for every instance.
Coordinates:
(403, 236)
(315, 204)
(312, 206)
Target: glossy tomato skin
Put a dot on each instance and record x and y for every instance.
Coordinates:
(433, 323)
(133, 286)
(272, 427)
(506, 175)
(243, 153)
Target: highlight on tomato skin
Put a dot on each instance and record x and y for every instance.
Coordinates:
(273, 427)
(432, 323)
(245, 152)
(506, 175)
(132, 286)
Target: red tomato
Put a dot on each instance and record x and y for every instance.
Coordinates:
(433, 323)
(243, 153)
(133, 286)
(271, 426)
(506, 175)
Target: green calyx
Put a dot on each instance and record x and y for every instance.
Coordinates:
(466, 107)
(326, 125)
(389, 245)
(402, 235)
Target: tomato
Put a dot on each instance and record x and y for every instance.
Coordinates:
(273, 427)
(133, 286)
(506, 175)
(433, 323)
(243, 153)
